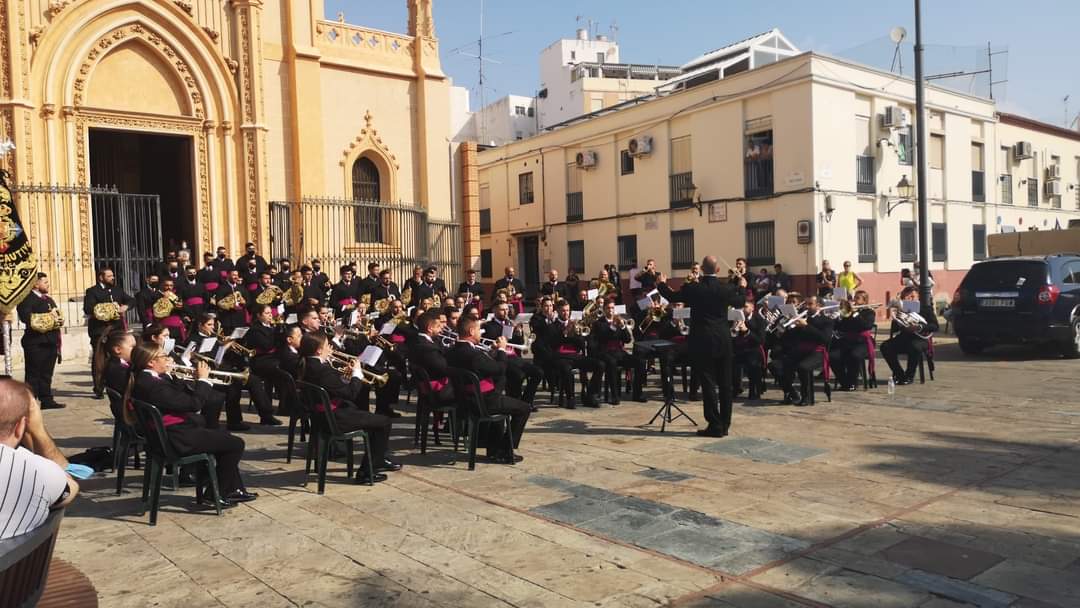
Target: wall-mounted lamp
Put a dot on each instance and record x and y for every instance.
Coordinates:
(695, 198)
(905, 191)
(829, 208)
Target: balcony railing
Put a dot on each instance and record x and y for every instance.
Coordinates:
(1006, 189)
(1033, 191)
(485, 221)
(978, 186)
(759, 177)
(864, 174)
(681, 186)
(575, 207)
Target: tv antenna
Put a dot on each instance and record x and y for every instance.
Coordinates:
(897, 35)
(990, 54)
(481, 59)
(1066, 102)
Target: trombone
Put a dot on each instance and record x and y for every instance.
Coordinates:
(216, 377)
(346, 363)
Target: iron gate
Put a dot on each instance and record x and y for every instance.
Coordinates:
(127, 235)
(339, 231)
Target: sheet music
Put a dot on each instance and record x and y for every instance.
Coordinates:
(910, 306)
(280, 309)
(681, 313)
(524, 317)
(353, 316)
(220, 356)
(774, 302)
(170, 345)
(371, 355)
(734, 315)
(840, 293)
(186, 357)
(644, 303)
(508, 331)
(592, 294)
(388, 328)
(577, 315)
(789, 310)
(239, 333)
(634, 283)
(620, 309)
(291, 319)
(207, 345)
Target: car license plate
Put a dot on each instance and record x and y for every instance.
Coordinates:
(997, 303)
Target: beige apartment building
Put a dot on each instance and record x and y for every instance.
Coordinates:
(792, 162)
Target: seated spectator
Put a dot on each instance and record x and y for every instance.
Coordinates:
(32, 477)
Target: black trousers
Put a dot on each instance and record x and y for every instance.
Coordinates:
(522, 378)
(564, 366)
(846, 359)
(227, 449)
(352, 418)
(682, 357)
(909, 345)
(519, 416)
(749, 362)
(614, 362)
(40, 363)
(715, 389)
(802, 364)
(643, 353)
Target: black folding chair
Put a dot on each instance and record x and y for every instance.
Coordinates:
(427, 402)
(126, 438)
(467, 389)
(159, 453)
(297, 412)
(325, 433)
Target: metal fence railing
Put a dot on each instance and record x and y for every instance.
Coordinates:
(978, 186)
(864, 174)
(681, 189)
(759, 177)
(575, 207)
(1006, 189)
(395, 235)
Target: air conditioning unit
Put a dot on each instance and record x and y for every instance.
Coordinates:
(1022, 150)
(894, 117)
(586, 160)
(1053, 172)
(1053, 188)
(640, 146)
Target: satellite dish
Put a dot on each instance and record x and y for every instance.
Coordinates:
(897, 34)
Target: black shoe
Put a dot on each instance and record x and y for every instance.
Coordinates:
(613, 401)
(365, 477)
(591, 402)
(533, 409)
(901, 381)
(570, 405)
(240, 426)
(52, 405)
(388, 465)
(692, 397)
(803, 403)
(99, 395)
(505, 459)
(753, 396)
(711, 432)
(238, 496)
(271, 421)
(224, 503)
(640, 398)
(795, 397)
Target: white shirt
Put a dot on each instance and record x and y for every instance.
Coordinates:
(29, 485)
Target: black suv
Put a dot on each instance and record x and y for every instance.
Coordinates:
(1011, 300)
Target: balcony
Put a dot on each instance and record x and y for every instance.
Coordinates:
(1033, 191)
(575, 207)
(485, 221)
(681, 187)
(1006, 189)
(864, 174)
(759, 177)
(978, 186)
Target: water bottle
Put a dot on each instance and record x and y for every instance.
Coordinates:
(892, 387)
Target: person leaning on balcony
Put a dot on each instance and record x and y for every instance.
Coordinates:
(848, 279)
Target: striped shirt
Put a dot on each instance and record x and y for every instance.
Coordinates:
(29, 486)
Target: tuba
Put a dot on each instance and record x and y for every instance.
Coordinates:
(107, 311)
(165, 305)
(269, 295)
(45, 322)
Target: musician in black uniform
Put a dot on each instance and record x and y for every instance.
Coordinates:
(320, 279)
(146, 297)
(568, 351)
(911, 340)
(510, 282)
(288, 356)
(748, 346)
(314, 295)
(345, 295)
(180, 404)
(105, 291)
(271, 299)
(222, 264)
(519, 371)
(249, 276)
(489, 365)
(610, 334)
(471, 289)
(112, 364)
(263, 338)
(648, 276)
(209, 276)
(710, 339)
(193, 294)
(41, 345)
(428, 288)
(344, 393)
(553, 287)
(250, 256)
(384, 288)
(803, 346)
(231, 301)
(855, 341)
(368, 283)
(283, 278)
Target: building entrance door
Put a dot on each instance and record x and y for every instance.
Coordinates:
(529, 252)
(150, 164)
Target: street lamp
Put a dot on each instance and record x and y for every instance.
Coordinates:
(905, 190)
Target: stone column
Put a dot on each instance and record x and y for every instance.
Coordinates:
(470, 206)
(253, 227)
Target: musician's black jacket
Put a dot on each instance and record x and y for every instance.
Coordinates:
(344, 291)
(503, 283)
(486, 365)
(320, 374)
(262, 338)
(863, 320)
(260, 262)
(186, 290)
(382, 292)
(926, 312)
(555, 336)
(753, 337)
(471, 290)
(559, 289)
(493, 330)
(144, 299)
(288, 360)
(172, 396)
(709, 300)
(429, 356)
(35, 303)
(234, 317)
(818, 331)
(99, 294)
(209, 275)
(603, 334)
(116, 374)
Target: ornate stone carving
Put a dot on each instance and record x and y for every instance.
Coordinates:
(184, 6)
(48, 111)
(211, 33)
(103, 44)
(55, 8)
(368, 139)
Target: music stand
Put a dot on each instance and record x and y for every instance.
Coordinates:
(664, 413)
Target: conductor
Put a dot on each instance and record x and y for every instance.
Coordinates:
(709, 343)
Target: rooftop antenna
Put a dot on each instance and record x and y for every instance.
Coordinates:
(989, 71)
(897, 35)
(1066, 102)
(613, 29)
(481, 60)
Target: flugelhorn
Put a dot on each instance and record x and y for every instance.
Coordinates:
(216, 377)
(346, 363)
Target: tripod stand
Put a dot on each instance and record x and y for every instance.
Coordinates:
(668, 382)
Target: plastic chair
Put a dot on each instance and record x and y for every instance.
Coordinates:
(159, 453)
(467, 388)
(325, 433)
(297, 413)
(24, 563)
(125, 437)
(427, 402)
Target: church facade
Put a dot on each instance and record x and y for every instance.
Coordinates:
(219, 108)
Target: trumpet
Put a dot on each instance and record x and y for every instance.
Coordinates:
(449, 337)
(488, 342)
(346, 363)
(235, 345)
(219, 378)
(381, 341)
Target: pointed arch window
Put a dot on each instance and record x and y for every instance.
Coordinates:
(367, 192)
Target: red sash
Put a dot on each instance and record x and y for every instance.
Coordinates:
(334, 405)
(212, 286)
(486, 386)
(438, 385)
(397, 339)
(346, 302)
(175, 322)
(566, 349)
(170, 419)
(224, 274)
(810, 347)
(252, 286)
(613, 345)
(194, 301)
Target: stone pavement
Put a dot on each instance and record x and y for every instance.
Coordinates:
(962, 491)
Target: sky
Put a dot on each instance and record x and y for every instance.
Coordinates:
(1041, 37)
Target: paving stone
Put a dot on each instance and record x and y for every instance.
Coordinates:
(629, 525)
(662, 475)
(762, 450)
(645, 506)
(690, 544)
(852, 589)
(941, 558)
(1036, 582)
(960, 591)
(577, 509)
